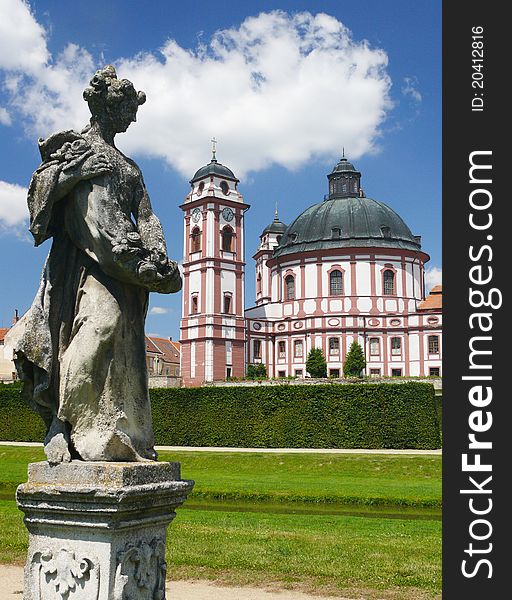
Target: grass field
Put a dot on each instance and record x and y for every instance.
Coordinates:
(363, 526)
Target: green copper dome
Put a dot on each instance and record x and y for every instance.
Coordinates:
(346, 219)
(344, 223)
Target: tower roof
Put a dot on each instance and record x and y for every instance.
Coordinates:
(214, 168)
(344, 165)
(277, 226)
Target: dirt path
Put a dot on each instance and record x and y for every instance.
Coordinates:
(11, 588)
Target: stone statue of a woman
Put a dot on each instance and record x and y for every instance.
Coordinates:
(80, 349)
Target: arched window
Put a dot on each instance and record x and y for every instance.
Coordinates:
(227, 239)
(388, 281)
(289, 284)
(196, 240)
(224, 187)
(258, 284)
(336, 283)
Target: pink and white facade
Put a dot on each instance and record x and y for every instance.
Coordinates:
(347, 268)
(398, 336)
(213, 323)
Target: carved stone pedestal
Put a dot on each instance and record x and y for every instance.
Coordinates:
(97, 530)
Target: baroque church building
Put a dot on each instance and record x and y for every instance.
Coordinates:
(347, 268)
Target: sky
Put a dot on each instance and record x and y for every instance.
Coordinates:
(283, 87)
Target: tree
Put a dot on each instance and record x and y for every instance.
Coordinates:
(256, 371)
(315, 363)
(355, 362)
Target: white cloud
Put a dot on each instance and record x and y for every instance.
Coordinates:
(158, 310)
(409, 88)
(279, 89)
(5, 117)
(22, 39)
(433, 276)
(13, 204)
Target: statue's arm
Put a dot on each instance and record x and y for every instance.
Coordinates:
(132, 252)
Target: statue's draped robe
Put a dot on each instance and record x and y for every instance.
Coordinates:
(80, 349)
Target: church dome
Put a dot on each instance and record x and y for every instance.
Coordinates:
(346, 220)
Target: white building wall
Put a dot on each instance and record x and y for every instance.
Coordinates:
(363, 275)
(195, 281)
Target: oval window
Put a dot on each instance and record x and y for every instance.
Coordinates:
(224, 187)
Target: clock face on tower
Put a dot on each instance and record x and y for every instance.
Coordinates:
(227, 213)
(196, 215)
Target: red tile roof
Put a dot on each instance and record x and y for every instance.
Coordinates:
(151, 347)
(3, 333)
(434, 300)
(169, 350)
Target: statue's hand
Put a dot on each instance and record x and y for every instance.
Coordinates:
(148, 273)
(94, 165)
(160, 278)
(169, 277)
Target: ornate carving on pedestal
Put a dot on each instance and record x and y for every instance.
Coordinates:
(141, 572)
(63, 575)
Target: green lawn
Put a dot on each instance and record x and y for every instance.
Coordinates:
(407, 480)
(270, 512)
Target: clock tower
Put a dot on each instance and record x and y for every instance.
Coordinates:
(213, 323)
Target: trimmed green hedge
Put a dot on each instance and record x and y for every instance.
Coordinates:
(18, 422)
(383, 415)
(439, 409)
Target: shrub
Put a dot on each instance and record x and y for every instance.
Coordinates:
(256, 371)
(316, 365)
(355, 362)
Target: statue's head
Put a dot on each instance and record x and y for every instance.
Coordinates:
(113, 102)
